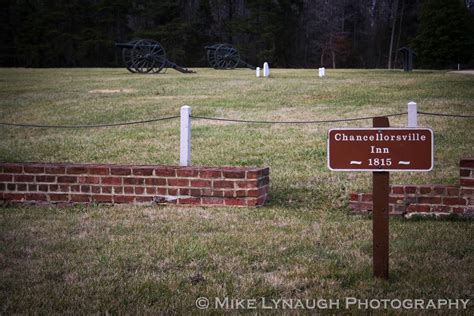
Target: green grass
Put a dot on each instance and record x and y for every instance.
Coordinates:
(303, 244)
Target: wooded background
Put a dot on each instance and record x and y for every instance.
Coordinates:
(286, 33)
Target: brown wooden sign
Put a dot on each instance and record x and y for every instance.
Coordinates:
(380, 149)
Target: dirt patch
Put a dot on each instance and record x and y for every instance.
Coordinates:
(112, 91)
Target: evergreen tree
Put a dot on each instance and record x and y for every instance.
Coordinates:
(446, 34)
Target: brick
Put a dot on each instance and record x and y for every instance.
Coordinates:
(394, 199)
(11, 186)
(234, 174)
(250, 193)
(254, 174)
(467, 163)
(124, 198)
(144, 199)
(354, 197)
(467, 192)
(452, 191)
(2, 186)
(12, 169)
(102, 198)
(469, 182)
(106, 190)
(112, 180)
(74, 188)
(261, 200)
(189, 201)
(429, 200)
(212, 201)
(235, 202)
(414, 208)
(165, 172)
(13, 196)
(199, 192)
(81, 198)
(45, 179)
(440, 208)
(58, 197)
(150, 190)
(201, 183)
(222, 184)
(88, 180)
(263, 181)
(139, 190)
(454, 201)
(95, 189)
(397, 190)
(131, 190)
(33, 169)
(35, 197)
(155, 181)
(32, 187)
(439, 190)
(360, 206)
(21, 187)
(464, 172)
(229, 193)
(178, 182)
(55, 170)
(142, 171)
(162, 191)
(172, 191)
(119, 171)
(458, 210)
(53, 187)
(85, 188)
(425, 190)
(249, 184)
(184, 191)
(99, 171)
(67, 179)
(133, 181)
(76, 170)
(6, 177)
(410, 189)
(366, 197)
(187, 173)
(210, 174)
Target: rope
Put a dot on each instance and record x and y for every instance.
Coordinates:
(90, 126)
(448, 115)
(293, 122)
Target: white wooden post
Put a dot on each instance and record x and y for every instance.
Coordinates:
(412, 114)
(257, 72)
(185, 140)
(266, 69)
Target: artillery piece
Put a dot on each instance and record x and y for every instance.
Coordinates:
(146, 56)
(224, 56)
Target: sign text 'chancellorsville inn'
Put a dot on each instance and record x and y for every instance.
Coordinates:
(380, 149)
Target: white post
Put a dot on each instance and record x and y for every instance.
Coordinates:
(324, 71)
(257, 72)
(185, 140)
(266, 70)
(412, 114)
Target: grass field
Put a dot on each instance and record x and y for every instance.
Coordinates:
(304, 244)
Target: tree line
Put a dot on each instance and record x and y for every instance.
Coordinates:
(286, 33)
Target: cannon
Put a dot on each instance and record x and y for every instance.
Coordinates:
(146, 56)
(224, 56)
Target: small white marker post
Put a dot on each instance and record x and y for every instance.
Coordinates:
(257, 72)
(185, 139)
(322, 72)
(412, 114)
(266, 70)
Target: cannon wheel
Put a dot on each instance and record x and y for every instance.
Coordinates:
(227, 57)
(148, 55)
(127, 57)
(211, 55)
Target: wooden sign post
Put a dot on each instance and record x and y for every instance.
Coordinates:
(380, 232)
(380, 149)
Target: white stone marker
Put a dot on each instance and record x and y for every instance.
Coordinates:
(412, 114)
(257, 72)
(266, 70)
(185, 137)
(322, 72)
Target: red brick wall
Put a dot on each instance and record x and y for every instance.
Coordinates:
(45, 183)
(436, 199)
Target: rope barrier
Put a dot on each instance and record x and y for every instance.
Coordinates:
(226, 120)
(447, 115)
(90, 126)
(292, 122)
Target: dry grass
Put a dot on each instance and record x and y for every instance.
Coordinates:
(304, 244)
